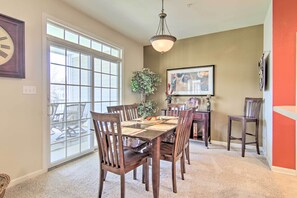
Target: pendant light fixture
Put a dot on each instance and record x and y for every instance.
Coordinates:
(162, 42)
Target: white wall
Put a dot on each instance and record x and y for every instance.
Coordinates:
(267, 95)
(23, 117)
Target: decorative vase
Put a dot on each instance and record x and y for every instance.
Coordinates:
(169, 101)
(208, 104)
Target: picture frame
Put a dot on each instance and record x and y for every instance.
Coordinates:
(191, 81)
(12, 47)
(262, 65)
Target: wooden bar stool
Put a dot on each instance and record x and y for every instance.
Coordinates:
(252, 108)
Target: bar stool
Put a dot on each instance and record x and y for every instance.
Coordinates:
(252, 108)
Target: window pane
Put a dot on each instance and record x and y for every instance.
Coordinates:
(57, 73)
(86, 126)
(97, 107)
(58, 152)
(86, 77)
(105, 80)
(86, 61)
(55, 31)
(84, 41)
(73, 147)
(114, 103)
(57, 93)
(104, 106)
(86, 143)
(105, 66)
(106, 49)
(96, 46)
(97, 63)
(114, 68)
(72, 76)
(86, 113)
(115, 52)
(113, 94)
(97, 94)
(114, 81)
(72, 94)
(105, 94)
(72, 58)
(57, 55)
(86, 94)
(97, 79)
(71, 36)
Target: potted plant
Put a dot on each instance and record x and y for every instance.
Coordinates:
(145, 82)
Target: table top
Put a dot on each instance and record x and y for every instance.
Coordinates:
(149, 130)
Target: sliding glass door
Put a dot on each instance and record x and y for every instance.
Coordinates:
(84, 75)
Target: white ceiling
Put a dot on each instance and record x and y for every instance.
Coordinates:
(138, 19)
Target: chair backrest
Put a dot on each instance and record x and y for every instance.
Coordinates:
(174, 109)
(109, 138)
(183, 129)
(252, 107)
(131, 111)
(118, 109)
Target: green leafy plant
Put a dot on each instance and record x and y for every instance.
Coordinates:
(145, 82)
(147, 108)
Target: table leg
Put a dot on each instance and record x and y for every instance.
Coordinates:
(156, 166)
(206, 133)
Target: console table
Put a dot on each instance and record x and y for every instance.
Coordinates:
(200, 117)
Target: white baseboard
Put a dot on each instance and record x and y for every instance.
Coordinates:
(286, 171)
(26, 177)
(236, 145)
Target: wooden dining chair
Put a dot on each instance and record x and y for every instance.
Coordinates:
(251, 113)
(174, 109)
(129, 112)
(118, 109)
(132, 111)
(174, 152)
(112, 156)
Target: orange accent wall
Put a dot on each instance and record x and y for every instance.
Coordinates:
(284, 80)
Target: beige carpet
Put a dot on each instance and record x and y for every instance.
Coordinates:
(214, 172)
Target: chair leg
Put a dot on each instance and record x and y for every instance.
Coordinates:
(123, 185)
(229, 133)
(143, 173)
(105, 174)
(102, 173)
(243, 138)
(135, 174)
(184, 162)
(174, 177)
(146, 169)
(182, 167)
(188, 153)
(257, 137)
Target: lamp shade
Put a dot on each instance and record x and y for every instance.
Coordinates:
(162, 43)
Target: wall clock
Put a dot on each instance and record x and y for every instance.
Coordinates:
(12, 47)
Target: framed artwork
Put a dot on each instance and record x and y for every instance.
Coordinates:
(262, 64)
(191, 81)
(12, 47)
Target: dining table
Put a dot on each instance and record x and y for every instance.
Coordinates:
(153, 131)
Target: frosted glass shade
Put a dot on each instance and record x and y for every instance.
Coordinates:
(162, 43)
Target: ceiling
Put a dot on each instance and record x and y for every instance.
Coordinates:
(138, 19)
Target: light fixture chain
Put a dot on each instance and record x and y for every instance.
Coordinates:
(167, 27)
